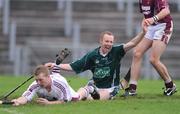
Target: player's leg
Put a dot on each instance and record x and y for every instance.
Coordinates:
(104, 94)
(161, 38)
(83, 93)
(158, 48)
(108, 93)
(89, 89)
(125, 81)
(138, 53)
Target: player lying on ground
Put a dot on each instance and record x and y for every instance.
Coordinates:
(104, 62)
(52, 89)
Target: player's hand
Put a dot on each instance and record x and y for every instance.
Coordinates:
(50, 65)
(148, 21)
(16, 102)
(144, 25)
(42, 101)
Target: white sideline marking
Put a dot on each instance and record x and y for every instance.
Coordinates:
(12, 111)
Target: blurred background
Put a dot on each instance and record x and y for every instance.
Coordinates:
(32, 32)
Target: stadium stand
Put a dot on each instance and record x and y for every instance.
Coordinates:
(5, 65)
(40, 22)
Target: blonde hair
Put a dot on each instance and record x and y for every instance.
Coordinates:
(41, 69)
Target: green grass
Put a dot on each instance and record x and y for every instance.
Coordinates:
(149, 100)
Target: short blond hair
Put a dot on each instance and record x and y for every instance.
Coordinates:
(41, 69)
(105, 32)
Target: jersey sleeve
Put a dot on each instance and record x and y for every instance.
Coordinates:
(55, 69)
(120, 50)
(161, 4)
(81, 64)
(31, 91)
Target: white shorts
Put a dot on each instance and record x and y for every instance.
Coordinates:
(159, 32)
(107, 89)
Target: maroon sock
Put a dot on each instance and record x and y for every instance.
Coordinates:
(169, 85)
(132, 87)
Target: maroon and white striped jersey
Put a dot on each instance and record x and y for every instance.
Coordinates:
(152, 7)
(60, 90)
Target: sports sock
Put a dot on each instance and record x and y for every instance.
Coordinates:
(128, 75)
(89, 89)
(169, 84)
(132, 87)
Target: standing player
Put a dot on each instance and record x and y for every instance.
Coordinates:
(104, 62)
(158, 24)
(51, 89)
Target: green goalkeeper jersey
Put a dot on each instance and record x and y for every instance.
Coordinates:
(105, 69)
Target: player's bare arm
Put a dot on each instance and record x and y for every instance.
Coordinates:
(46, 102)
(163, 13)
(19, 101)
(132, 43)
(65, 67)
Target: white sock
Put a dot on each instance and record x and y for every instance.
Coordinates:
(133, 82)
(89, 89)
(168, 81)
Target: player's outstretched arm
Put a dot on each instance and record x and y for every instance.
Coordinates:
(46, 102)
(132, 43)
(66, 67)
(162, 14)
(19, 101)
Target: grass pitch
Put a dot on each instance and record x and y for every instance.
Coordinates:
(148, 101)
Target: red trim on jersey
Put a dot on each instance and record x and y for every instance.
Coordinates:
(61, 88)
